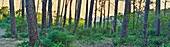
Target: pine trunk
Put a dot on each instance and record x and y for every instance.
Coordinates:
(50, 12)
(23, 5)
(75, 16)
(95, 14)
(101, 18)
(165, 7)
(133, 26)
(125, 20)
(157, 19)
(70, 16)
(61, 15)
(90, 13)
(115, 16)
(12, 18)
(44, 5)
(144, 43)
(104, 17)
(85, 23)
(108, 14)
(32, 22)
(78, 13)
(58, 13)
(65, 12)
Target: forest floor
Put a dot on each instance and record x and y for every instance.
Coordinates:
(12, 42)
(8, 42)
(105, 43)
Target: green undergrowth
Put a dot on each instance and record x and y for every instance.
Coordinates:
(69, 36)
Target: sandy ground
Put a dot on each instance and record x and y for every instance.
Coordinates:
(8, 42)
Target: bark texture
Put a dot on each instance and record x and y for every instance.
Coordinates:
(145, 32)
(32, 22)
(44, 5)
(12, 18)
(90, 14)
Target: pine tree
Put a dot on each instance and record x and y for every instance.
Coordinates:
(115, 15)
(144, 43)
(70, 16)
(58, 13)
(90, 13)
(12, 18)
(50, 13)
(108, 14)
(125, 20)
(157, 20)
(44, 5)
(86, 16)
(32, 22)
(65, 12)
(95, 14)
(78, 13)
(23, 8)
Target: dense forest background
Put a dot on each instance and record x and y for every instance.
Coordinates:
(87, 23)
(121, 6)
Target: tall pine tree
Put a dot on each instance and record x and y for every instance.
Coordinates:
(32, 22)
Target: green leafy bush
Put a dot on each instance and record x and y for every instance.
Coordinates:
(25, 43)
(47, 42)
(61, 37)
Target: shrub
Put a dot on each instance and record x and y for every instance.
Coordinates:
(24, 43)
(61, 37)
(47, 42)
(5, 11)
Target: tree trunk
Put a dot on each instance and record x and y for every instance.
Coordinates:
(125, 20)
(157, 19)
(65, 12)
(90, 13)
(104, 17)
(108, 14)
(165, 7)
(50, 12)
(70, 16)
(44, 5)
(133, 26)
(62, 11)
(58, 13)
(115, 16)
(129, 9)
(100, 23)
(12, 18)
(165, 15)
(144, 43)
(23, 5)
(85, 23)
(32, 22)
(95, 14)
(23, 14)
(75, 16)
(78, 13)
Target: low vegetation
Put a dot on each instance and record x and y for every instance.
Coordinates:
(57, 36)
